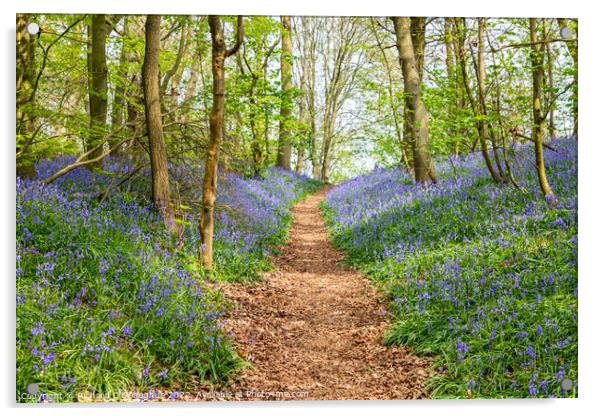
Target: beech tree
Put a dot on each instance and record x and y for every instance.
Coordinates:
(154, 124)
(286, 70)
(24, 87)
(539, 114)
(97, 89)
(306, 36)
(423, 167)
(219, 53)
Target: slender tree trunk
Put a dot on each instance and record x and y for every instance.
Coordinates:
(300, 159)
(171, 72)
(423, 168)
(154, 125)
(309, 58)
(451, 82)
(326, 146)
(303, 129)
(537, 131)
(256, 150)
(458, 39)
(24, 87)
(303, 119)
(133, 91)
(550, 85)
(119, 101)
(405, 161)
(477, 107)
(286, 68)
(482, 82)
(191, 87)
(97, 87)
(574, 52)
(219, 53)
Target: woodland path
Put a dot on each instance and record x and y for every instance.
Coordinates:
(316, 326)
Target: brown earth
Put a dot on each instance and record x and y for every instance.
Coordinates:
(314, 328)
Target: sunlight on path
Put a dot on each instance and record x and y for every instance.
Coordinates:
(316, 326)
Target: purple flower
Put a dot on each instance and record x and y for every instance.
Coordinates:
(126, 331)
(531, 351)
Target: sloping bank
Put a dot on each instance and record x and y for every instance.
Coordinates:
(109, 302)
(482, 277)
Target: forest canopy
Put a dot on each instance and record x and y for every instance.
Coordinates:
(342, 108)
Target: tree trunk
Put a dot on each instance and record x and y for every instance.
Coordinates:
(423, 168)
(482, 82)
(256, 150)
(458, 39)
(24, 87)
(326, 146)
(219, 53)
(303, 130)
(574, 51)
(154, 125)
(537, 131)
(550, 84)
(477, 107)
(119, 101)
(97, 87)
(286, 68)
(308, 36)
(451, 82)
(405, 161)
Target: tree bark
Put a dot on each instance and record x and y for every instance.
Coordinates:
(482, 82)
(339, 80)
(24, 87)
(423, 168)
(97, 87)
(219, 53)
(286, 68)
(480, 124)
(417, 32)
(405, 160)
(119, 101)
(537, 131)
(303, 129)
(550, 84)
(154, 125)
(451, 82)
(309, 58)
(303, 118)
(574, 52)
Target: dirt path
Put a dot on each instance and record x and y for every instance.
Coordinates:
(316, 326)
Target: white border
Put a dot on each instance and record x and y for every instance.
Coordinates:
(590, 152)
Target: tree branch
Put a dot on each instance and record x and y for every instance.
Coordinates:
(239, 37)
(79, 162)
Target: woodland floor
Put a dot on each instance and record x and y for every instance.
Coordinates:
(316, 326)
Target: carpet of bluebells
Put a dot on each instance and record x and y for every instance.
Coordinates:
(109, 301)
(482, 278)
